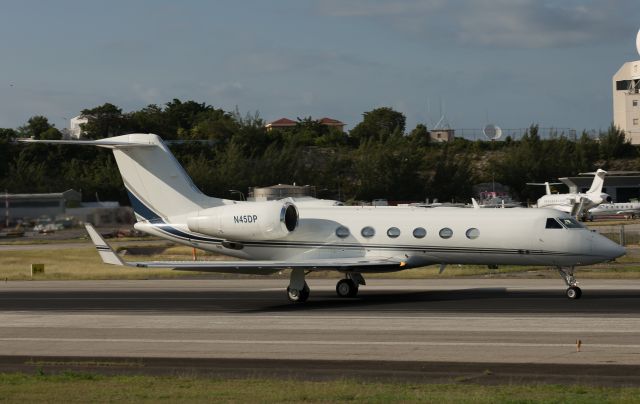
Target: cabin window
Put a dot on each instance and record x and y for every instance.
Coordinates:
(368, 232)
(419, 232)
(553, 224)
(472, 233)
(393, 232)
(342, 232)
(446, 232)
(570, 223)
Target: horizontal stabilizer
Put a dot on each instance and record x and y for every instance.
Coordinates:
(106, 252)
(110, 143)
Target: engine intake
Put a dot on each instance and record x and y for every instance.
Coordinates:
(247, 221)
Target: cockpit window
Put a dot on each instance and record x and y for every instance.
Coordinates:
(553, 224)
(570, 223)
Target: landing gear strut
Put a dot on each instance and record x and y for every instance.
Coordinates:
(573, 291)
(298, 290)
(348, 287)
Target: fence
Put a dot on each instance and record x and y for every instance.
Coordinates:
(621, 234)
(518, 133)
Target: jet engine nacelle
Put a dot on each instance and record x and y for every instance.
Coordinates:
(247, 221)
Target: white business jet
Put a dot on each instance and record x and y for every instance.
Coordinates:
(628, 209)
(274, 235)
(575, 203)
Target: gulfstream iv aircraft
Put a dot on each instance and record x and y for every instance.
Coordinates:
(274, 235)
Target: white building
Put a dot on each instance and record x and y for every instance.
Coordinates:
(626, 100)
(75, 131)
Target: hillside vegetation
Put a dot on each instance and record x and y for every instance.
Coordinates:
(378, 158)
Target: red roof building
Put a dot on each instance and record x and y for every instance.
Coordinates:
(285, 123)
(282, 123)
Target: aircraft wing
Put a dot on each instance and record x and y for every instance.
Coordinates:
(246, 267)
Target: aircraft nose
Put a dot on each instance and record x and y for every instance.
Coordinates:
(608, 249)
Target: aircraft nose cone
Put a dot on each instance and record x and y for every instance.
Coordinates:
(609, 249)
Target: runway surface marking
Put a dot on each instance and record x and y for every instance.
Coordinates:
(532, 324)
(313, 342)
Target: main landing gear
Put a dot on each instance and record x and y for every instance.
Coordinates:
(573, 291)
(298, 290)
(348, 287)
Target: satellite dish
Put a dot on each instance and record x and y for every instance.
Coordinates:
(492, 132)
(638, 41)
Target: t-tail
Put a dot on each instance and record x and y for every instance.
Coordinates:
(598, 182)
(157, 185)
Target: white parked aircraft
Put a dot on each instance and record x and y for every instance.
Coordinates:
(275, 235)
(575, 203)
(630, 209)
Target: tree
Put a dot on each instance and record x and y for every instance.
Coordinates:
(8, 134)
(613, 144)
(104, 121)
(380, 123)
(39, 127)
(453, 178)
(420, 135)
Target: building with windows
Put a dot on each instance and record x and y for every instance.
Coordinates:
(442, 135)
(626, 100)
(27, 208)
(75, 131)
(32, 206)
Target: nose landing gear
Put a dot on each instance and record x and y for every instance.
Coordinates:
(298, 290)
(573, 291)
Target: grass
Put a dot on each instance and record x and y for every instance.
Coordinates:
(71, 387)
(84, 263)
(75, 263)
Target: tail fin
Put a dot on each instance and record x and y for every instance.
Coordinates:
(547, 188)
(156, 183)
(598, 181)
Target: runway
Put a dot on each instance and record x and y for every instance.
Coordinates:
(471, 321)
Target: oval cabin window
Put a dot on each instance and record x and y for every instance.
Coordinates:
(368, 232)
(393, 232)
(473, 233)
(419, 232)
(342, 232)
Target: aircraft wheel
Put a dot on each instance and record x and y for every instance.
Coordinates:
(298, 296)
(574, 292)
(346, 288)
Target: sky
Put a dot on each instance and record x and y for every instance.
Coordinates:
(508, 62)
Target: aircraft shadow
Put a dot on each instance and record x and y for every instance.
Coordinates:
(477, 300)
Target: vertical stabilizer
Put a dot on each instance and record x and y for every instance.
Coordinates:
(157, 184)
(598, 182)
(547, 188)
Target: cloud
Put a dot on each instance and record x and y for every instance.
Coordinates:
(498, 23)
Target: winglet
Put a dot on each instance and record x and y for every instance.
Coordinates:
(475, 203)
(106, 252)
